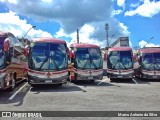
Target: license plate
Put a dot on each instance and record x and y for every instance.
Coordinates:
(48, 81)
(154, 76)
(120, 76)
(90, 77)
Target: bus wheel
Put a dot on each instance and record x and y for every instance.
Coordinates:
(112, 79)
(13, 84)
(92, 81)
(59, 84)
(33, 86)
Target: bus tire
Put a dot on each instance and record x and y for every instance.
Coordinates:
(59, 84)
(112, 79)
(32, 85)
(13, 85)
(92, 81)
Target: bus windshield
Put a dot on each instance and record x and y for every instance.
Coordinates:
(48, 56)
(120, 60)
(151, 61)
(88, 58)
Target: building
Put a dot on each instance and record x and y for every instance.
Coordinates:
(121, 42)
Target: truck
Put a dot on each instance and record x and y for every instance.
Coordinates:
(149, 61)
(86, 62)
(13, 62)
(47, 61)
(120, 63)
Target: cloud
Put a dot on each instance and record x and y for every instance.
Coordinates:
(121, 3)
(143, 43)
(134, 5)
(147, 9)
(89, 34)
(116, 12)
(10, 22)
(73, 15)
(84, 35)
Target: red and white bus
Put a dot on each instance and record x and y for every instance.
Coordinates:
(13, 64)
(47, 61)
(149, 61)
(120, 62)
(86, 62)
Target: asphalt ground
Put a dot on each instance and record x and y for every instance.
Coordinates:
(102, 95)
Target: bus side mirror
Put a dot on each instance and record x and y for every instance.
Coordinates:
(105, 57)
(135, 57)
(6, 46)
(71, 56)
(26, 50)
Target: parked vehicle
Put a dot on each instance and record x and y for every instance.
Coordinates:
(13, 66)
(47, 61)
(86, 62)
(120, 62)
(149, 61)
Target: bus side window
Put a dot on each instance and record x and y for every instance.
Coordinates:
(7, 52)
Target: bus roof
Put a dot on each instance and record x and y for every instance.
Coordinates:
(3, 33)
(150, 50)
(48, 39)
(119, 49)
(83, 45)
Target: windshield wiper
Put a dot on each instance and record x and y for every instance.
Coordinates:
(43, 63)
(57, 68)
(123, 65)
(115, 64)
(156, 65)
(94, 64)
(150, 66)
(85, 64)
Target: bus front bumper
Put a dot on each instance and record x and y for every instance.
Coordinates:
(89, 77)
(120, 75)
(147, 76)
(38, 80)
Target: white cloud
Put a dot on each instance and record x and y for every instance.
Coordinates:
(70, 14)
(87, 32)
(116, 12)
(10, 22)
(121, 3)
(147, 9)
(84, 35)
(124, 29)
(134, 5)
(2, 0)
(143, 43)
(10, 1)
(48, 1)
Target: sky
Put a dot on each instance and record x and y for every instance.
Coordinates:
(137, 19)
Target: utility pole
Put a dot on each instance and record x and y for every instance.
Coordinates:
(29, 30)
(107, 28)
(77, 36)
(147, 42)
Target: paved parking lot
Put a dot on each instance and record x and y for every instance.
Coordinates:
(103, 95)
